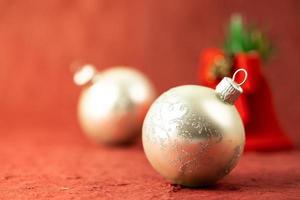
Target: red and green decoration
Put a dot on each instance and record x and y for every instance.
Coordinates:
(246, 47)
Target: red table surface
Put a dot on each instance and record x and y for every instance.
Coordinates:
(63, 164)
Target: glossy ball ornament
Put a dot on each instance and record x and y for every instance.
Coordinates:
(193, 135)
(113, 103)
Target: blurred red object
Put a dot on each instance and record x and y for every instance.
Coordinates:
(255, 105)
(252, 63)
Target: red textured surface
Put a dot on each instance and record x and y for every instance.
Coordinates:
(53, 164)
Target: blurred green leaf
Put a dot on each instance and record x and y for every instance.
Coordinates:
(240, 38)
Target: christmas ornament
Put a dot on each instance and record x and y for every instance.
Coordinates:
(113, 103)
(248, 47)
(193, 135)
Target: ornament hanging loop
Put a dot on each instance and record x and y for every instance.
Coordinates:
(245, 76)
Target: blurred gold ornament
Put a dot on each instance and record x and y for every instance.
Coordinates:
(113, 103)
(193, 135)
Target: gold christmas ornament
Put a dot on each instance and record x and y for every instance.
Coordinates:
(113, 103)
(193, 135)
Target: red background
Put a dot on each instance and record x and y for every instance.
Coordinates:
(44, 155)
(40, 39)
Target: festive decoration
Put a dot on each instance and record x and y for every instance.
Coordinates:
(246, 47)
(193, 135)
(113, 104)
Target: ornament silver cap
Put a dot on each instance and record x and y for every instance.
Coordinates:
(228, 90)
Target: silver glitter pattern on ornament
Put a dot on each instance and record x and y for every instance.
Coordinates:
(180, 117)
(232, 162)
(188, 125)
(192, 136)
